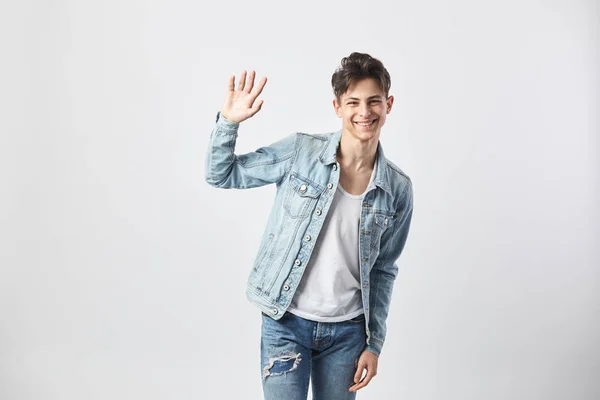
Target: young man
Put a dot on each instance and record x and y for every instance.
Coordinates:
(326, 265)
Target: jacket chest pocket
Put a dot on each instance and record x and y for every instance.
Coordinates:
(381, 222)
(301, 196)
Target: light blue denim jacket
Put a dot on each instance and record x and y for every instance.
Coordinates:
(305, 170)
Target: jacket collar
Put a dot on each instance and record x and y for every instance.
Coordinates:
(328, 156)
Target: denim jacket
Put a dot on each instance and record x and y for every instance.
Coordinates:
(306, 173)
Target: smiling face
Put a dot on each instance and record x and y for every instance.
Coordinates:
(363, 109)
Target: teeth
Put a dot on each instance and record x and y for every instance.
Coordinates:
(364, 123)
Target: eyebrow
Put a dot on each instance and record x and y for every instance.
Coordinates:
(376, 96)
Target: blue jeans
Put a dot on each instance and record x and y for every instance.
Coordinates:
(294, 350)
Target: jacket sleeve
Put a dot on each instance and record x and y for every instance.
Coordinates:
(384, 272)
(225, 169)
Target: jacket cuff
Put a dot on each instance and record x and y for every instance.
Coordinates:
(373, 349)
(226, 124)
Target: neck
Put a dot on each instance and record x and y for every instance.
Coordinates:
(356, 155)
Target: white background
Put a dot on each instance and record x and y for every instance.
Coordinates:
(122, 273)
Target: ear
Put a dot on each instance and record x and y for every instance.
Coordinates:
(388, 103)
(337, 107)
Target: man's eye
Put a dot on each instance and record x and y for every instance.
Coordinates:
(352, 103)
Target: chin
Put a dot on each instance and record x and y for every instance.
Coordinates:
(365, 136)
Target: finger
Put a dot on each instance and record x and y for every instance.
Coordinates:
(242, 81)
(259, 88)
(365, 380)
(231, 85)
(359, 373)
(250, 82)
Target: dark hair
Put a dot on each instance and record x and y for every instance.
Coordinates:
(358, 66)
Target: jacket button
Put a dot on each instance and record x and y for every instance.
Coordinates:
(329, 185)
(297, 262)
(303, 188)
(275, 311)
(318, 212)
(334, 167)
(286, 287)
(307, 238)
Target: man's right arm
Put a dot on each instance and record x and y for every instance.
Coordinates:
(225, 169)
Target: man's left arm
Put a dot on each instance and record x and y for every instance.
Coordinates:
(382, 277)
(385, 270)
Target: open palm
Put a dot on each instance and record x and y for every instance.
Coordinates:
(241, 104)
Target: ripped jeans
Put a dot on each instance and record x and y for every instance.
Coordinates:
(295, 350)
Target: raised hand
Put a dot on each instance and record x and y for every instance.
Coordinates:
(241, 104)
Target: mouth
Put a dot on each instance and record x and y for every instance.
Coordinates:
(365, 124)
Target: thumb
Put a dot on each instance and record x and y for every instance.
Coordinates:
(256, 108)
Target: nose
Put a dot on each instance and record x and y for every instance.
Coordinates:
(364, 110)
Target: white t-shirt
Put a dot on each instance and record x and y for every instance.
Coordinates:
(329, 290)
